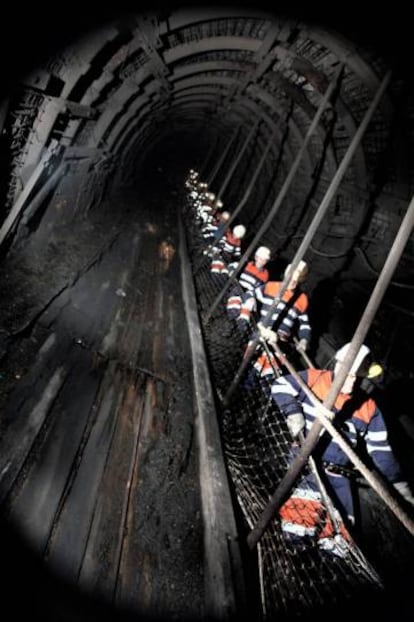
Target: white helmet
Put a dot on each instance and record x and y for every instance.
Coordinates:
(239, 231)
(263, 252)
(301, 271)
(219, 203)
(225, 215)
(359, 359)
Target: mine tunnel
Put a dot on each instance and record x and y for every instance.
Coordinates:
(135, 460)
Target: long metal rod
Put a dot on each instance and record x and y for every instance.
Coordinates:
(204, 166)
(281, 195)
(221, 159)
(330, 508)
(324, 417)
(240, 205)
(322, 209)
(236, 161)
(297, 465)
(252, 182)
(303, 354)
(329, 505)
(337, 178)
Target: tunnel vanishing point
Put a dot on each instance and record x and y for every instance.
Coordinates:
(133, 464)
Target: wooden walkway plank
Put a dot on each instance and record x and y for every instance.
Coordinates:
(139, 575)
(36, 497)
(99, 569)
(70, 533)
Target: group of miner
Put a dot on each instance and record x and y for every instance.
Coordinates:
(276, 313)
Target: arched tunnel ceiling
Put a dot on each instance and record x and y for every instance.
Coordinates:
(119, 84)
(137, 84)
(186, 68)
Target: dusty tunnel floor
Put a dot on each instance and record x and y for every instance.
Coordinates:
(98, 451)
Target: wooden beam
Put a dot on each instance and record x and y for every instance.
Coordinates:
(224, 583)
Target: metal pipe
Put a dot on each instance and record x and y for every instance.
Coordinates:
(256, 174)
(282, 193)
(329, 505)
(249, 188)
(289, 479)
(239, 155)
(311, 462)
(221, 159)
(322, 209)
(337, 178)
(204, 166)
(303, 354)
(243, 200)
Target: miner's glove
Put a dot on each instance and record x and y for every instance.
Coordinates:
(404, 490)
(232, 267)
(267, 333)
(282, 335)
(295, 423)
(302, 345)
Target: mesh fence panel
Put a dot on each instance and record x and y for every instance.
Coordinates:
(296, 576)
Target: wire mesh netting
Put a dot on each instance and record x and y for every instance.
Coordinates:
(296, 574)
